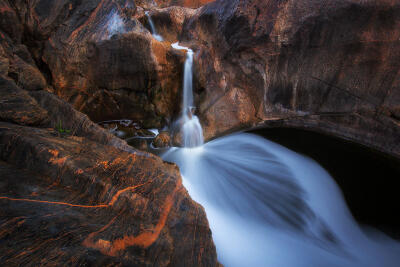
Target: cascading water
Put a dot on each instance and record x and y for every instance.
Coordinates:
(153, 28)
(192, 133)
(269, 206)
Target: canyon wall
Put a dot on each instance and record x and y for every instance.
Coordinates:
(71, 193)
(327, 66)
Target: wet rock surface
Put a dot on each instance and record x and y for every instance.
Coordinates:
(163, 140)
(94, 54)
(74, 194)
(169, 21)
(328, 66)
(85, 203)
(71, 192)
(66, 182)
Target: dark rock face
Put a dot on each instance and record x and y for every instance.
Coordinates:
(86, 203)
(184, 3)
(77, 195)
(162, 140)
(95, 55)
(18, 106)
(112, 67)
(329, 66)
(169, 21)
(72, 193)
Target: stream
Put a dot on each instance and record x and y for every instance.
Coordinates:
(267, 205)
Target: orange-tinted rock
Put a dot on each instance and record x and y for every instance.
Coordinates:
(329, 66)
(105, 63)
(71, 192)
(17, 106)
(168, 21)
(83, 203)
(112, 67)
(184, 3)
(28, 76)
(60, 112)
(162, 140)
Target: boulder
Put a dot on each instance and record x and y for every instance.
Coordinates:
(71, 201)
(162, 140)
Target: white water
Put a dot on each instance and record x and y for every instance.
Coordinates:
(153, 28)
(269, 206)
(192, 133)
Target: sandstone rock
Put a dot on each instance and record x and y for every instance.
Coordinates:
(329, 66)
(28, 76)
(17, 106)
(82, 203)
(139, 143)
(162, 140)
(112, 67)
(184, 3)
(95, 54)
(168, 21)
(9, 22)
(79, 124)
(4, 66)
(86, 197)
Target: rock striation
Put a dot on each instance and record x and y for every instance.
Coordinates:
(327, 66)
(83, 203)
(71, 193)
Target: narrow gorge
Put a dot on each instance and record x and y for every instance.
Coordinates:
(199, 133)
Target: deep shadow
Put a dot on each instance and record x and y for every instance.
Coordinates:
(367, 178)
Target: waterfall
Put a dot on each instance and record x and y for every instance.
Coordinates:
(153, 28)
(269, 206)
(192, 133)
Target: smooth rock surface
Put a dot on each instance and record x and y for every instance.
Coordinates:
(83, 203)
(327, 66)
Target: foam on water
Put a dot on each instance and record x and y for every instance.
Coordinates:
(267, 205)
(192, 132)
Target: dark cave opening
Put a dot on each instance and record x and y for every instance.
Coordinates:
(368, 178)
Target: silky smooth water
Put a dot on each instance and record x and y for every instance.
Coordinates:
(267, 205)
(153, 28)
(189, 124)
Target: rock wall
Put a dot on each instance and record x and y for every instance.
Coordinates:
(66, 200)
(183, 3)
(71, 193)
(94, 54)
(328, 66)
